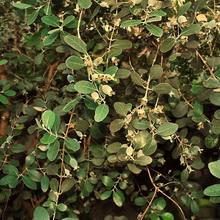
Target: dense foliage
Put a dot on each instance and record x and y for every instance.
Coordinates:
(109, 100)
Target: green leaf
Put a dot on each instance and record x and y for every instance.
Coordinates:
(143, 160)
(76, 43)
(41, 213)
(70, 105)
(105, 195)
(156, 72)
(192, 29)
(111, 70)
(130, 23)
(167, 216)
(211, 83)
(122, 108)
(84, 87)
(85, 3)
(48, 119)
(29, 182)
(150, 147)
(133, 168)
(101, 112)
(51, 38)
(17, 148)
(214, 98)
(157, 13)
(3, 99)
(51, 20)
(116, 125)
(118, 198)
(114, 52)
(163, 88)
(160, 203)
(67, 185)
(213, 190)
(183, 9)
(10, 92)
(45, 182)
(211, 141)
(72, 144)
(53, 150)
(21, 5)
(122, 74)
(107, 181)
(198, 109)
(48, 138)
(167, 129)
(39, 58)
(140, 124)
(167, 45)
(74, 63)
(194, 207)
(180, 110)
(7, 179)
(214, 168)
(32, 17)
(68, 20)
(140, 201)
(3, 62)
(122, 44)
(136, 79)
(184, 175)
(153, 29)
(73, 163)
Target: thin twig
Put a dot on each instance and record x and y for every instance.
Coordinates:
(78, 25)
(208, 67)
(187, 102)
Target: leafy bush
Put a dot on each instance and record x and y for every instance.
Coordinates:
(108, 100)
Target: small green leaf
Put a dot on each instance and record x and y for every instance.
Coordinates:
(111, 70)
(122, 108)
(184, 175)
(192, 29)
(21, 5)
(45, 182)
(105, 195)
(140, 124)
(53, 150)
(130, 23)
(51, 38)
(143, 160)
(29, 182)
(68, 20)
(48, 119)
(133, 168)
(118, 198)
(85, 3)
(167, 216)
(167, 45)
(156, 72)
(70, 105)
(84, 87)
(136, 79)
(48, 138)
(107, 181)
(74, 63)
(3, 99)
(116, 125)
(51, 20)
(122, 44)
(76, 43)
(214, 98)
(150, 147)
(41, 213)
(17, 148)
(211, 141)
(214, 168)
(153, 29)
(101, 112)
(7, 179)
(39, 58)
(167, 129)
(72, 144)
(3, 62)
(213, 190)
(62, 207)
(73, 163)
(32, 17)
(162, 88)
(140, 201)
(67, 185)
(183, 9)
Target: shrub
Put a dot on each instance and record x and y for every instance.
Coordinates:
(108, 100)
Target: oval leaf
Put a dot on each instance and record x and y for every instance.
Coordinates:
(76, 43)
(48, 119)
(167, 129)
(84, 87)
(101, 112)
(74, 63)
